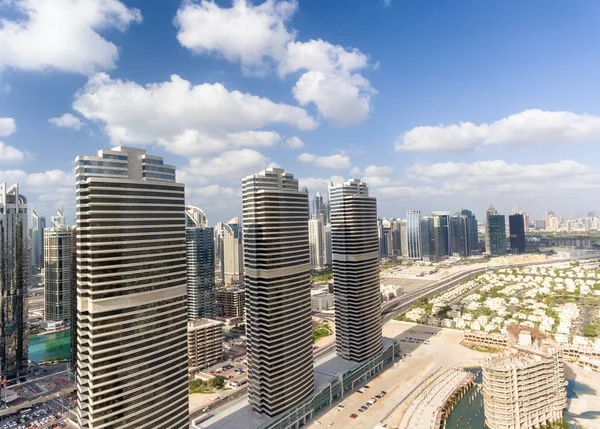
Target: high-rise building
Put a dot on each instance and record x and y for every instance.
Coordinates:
(200, 255)
(58, 271)
(404, 238)
(38, 224)
(441, 225)
(355, 271)
(549, 220)
(516, 228)
(385, 238)
(318, 208)
(396, 238)
(316, 243)
(459, 236)
(14, 279)
(413, 232)
(327, 246)
(231, 303)
(132, 364)
(305, 191)
(277, 280)
(471, 231)
(495, 232)
(230, 251)
(427, 239)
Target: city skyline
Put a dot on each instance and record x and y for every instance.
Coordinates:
(417, 138)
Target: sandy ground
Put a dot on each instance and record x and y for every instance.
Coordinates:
(584, 410)
(444, 350)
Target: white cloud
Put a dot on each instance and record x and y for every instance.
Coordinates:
(245, 33)
(46, 191)
(7, 126)
(67, 121)
(63, 34)
(10, 155)
(530, 127)
(294, 143)
(336, 162)
(231, 165)
(256, 36)
(497, 171)
(186, 119)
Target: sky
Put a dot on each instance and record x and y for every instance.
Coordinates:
(436, 105)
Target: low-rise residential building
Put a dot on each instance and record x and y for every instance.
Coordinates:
(322, 302)
(205, 343)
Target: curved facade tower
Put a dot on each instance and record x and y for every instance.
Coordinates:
(355, 247)
(14, 279)
(277, 279)
(200, 253)
(132, 363)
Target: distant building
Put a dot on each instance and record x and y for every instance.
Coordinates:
(516, 226)
(396, 238)
(355, 271)
(205, 343)
(427, 239)
(495, 233)
(38, 224)
(321, 302)
(441, 227)
(385, 238)
(200, 259)
(525, 387)
(316, 243)
(403, 238)
(459, 236)
(231, 303)
(15, 272)
(232, 252)
(319, 208)
(58, 272)
(540, 225)
(327, 246)
(472, 237)
(413, 232)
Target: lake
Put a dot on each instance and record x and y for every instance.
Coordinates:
(50, 346)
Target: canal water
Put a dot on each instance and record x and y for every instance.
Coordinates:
(468, 412)
(55, 346)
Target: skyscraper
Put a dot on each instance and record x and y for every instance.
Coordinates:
(396, 238)
(413, 232)
(441, 226)
(516, 226)
(200, 255)
(229, 249)
(385, 238)
(459, 236)
(305, 190)
(403, 237)
(471, 231)
(132, 367)
(495, 232)
(316, 244)
(355, 271)
(318, 207)
(58, 271)
(277, 279)
(14, 279)
(427, 239)
(38, 224)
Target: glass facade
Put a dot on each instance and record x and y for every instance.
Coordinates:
(413, 232)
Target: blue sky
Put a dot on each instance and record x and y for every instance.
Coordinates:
(437, 105)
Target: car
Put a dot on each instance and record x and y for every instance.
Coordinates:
(353, 416)
(383, 393)
(361, 390)
(366, 386)
(317, 422)
(330, 424)
(341, 405)
(362, 410)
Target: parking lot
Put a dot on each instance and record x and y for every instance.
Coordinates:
(235, 371)
(39, 416)
(425, 350)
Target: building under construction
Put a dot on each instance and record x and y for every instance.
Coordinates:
(525, 387)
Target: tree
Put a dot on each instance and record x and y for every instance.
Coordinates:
(218, 382)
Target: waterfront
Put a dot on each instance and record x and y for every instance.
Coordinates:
(468, 412)
(55, 346)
